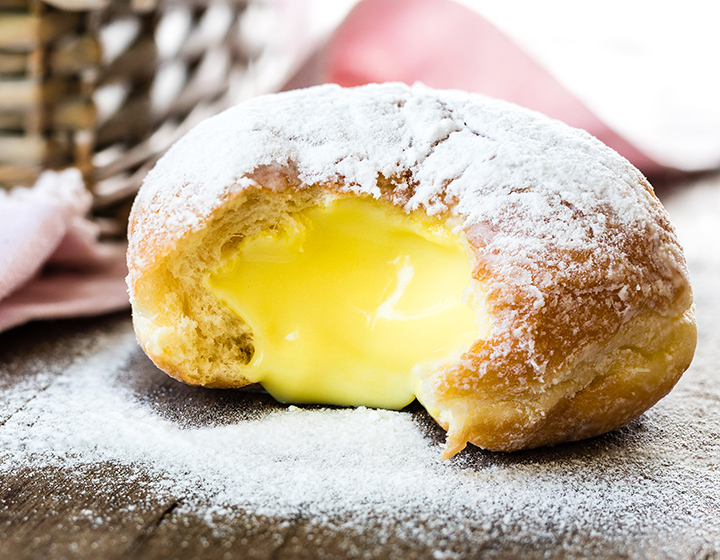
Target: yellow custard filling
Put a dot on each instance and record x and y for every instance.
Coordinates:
(346, 301)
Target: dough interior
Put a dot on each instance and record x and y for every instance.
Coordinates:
(350, 302)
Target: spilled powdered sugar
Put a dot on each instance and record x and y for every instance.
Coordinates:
(645, 487)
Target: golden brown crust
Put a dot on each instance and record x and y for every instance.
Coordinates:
(576, 260)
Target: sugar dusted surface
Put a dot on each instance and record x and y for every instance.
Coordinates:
(649, 490)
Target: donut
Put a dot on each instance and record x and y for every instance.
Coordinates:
(375, 245)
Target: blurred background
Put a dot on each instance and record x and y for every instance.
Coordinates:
(107, 87)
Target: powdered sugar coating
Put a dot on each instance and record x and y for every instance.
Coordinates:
(569, 239)
(481, 151)
(534, 193)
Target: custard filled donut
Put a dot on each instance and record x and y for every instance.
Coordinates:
(373, 245)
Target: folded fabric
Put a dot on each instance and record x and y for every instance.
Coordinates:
(51, 262)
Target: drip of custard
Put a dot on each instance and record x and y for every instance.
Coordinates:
(346, 301)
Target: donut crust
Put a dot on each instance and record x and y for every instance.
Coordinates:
(575, 259)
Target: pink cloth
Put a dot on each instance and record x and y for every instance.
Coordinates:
(446, 45)
(51, 262)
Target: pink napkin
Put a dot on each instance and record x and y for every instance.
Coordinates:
(446, 45)
(51, 262)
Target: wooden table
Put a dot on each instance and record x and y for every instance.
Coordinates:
(76, 485)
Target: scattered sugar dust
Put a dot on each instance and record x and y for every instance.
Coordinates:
(364, 469)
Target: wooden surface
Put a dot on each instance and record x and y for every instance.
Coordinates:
(649, 490)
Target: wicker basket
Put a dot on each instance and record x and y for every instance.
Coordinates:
(107, 87)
